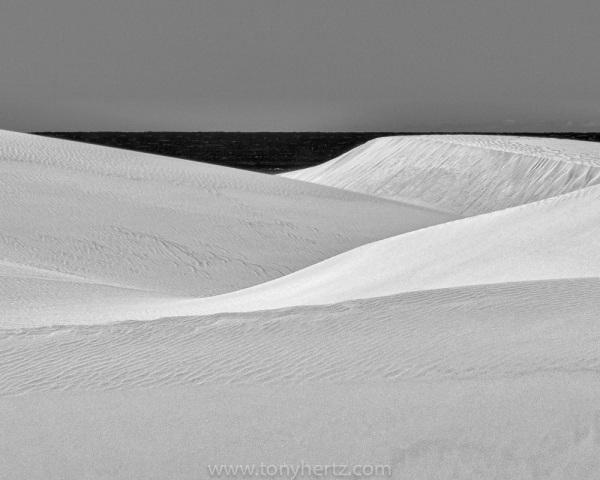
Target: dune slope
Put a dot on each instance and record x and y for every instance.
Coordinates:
(464, 174)
(496, 381)
(467, 349)
(551, 239)
(31, 297)
(149, 223)
(484, 331)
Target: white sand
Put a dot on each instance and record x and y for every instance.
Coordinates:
(486, 382)
(551, 239)
(463, 174)
(158, 227)
(543, 427)
(491, 331)
(466, 350)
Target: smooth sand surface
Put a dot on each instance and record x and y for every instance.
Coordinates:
(128, 226)
(464, 174)
(546, 240)
(551, 239)
(465, 349)
(543, 427)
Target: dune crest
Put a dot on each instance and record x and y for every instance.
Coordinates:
(475, 332)
(463, 174)
(551, 239)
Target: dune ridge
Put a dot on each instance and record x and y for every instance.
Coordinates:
(545, 240)
(476, 332)
(550, 239)
(144, 223)
(463, 174)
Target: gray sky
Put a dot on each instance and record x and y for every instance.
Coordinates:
(275, 65)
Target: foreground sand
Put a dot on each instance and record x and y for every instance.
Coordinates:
(516, 428)
(496, 381)
(468, 349)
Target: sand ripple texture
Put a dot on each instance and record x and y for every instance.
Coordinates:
(463, 174)
(167, 225)
(479, 332)
(468, 349)
(554, 238)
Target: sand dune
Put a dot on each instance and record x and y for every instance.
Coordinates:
(30, 297)
(546, 240)
(490, 331)
(143, 222)
(464, 174)
(552, 239)
(497, 380)
(443, 349)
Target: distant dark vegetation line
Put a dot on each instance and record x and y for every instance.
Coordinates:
(267, 152)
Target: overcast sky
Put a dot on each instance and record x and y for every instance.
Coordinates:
(330, 65)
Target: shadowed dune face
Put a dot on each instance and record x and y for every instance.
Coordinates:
(463, 174)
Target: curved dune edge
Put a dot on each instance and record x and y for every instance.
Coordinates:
(552, 239)
(478, 332)
(486, 380)
(463, 174)
(143, 222)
